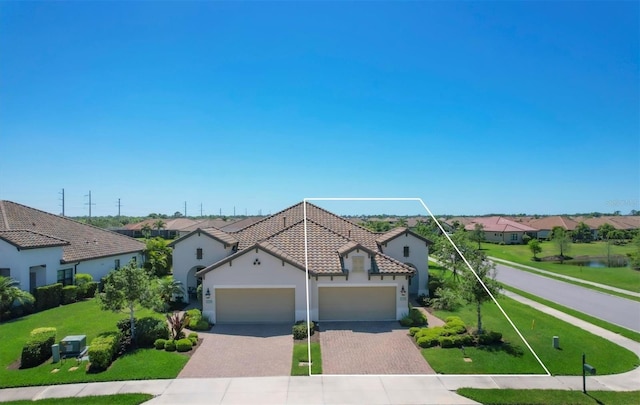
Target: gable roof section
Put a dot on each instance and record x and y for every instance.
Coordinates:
(84, 241)
(25, 239)
(213, 233)
(394, 233)
(553, 221)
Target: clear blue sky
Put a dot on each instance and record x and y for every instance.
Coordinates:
(475, 107)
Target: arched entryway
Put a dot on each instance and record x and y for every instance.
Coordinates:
(193, 282)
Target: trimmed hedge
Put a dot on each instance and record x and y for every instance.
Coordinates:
(196, 321)
(103, 350)
(92, 288)
(490, 338)
(38, 348)
(415, 317)
(183, 345)
(300, 330)
(48, 296)
(413, 330)
(170, 345)
(69, 294)
(149, 329)
(159, 344)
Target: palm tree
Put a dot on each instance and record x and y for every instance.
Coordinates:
(167, 287)
(159, 224)
(10, 292)
(146, 230)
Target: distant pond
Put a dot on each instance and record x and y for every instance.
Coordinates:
(600, 261)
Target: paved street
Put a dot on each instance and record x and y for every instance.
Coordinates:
(619, 311)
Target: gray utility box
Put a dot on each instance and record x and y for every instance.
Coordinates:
(73, 345)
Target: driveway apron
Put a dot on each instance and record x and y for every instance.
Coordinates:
(242, 351)
(369, 348)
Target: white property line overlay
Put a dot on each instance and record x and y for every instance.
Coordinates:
(306, 265)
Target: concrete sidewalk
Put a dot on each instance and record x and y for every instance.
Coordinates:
(326, 389)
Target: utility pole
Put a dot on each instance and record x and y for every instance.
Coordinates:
(220, 211)
(89, 204)
(185, 208)
(200, 209)
(234, 210)
(62, 201)
(119, 208)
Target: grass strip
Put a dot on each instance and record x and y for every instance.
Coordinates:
(301, 355)
(119, 399)
(550, 397)
(629, 334)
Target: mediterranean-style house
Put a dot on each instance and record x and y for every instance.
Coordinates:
(259, 273)
(502, 230)
(38, 248)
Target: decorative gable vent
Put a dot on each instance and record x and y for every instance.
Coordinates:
(256, 262)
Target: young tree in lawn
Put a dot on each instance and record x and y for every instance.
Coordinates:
(127, 287)
(604, 229)
(634, 256)
(561, 239)
(448, 256)
(477, 235)
(10, 292)
(472, 289)
(535, 247)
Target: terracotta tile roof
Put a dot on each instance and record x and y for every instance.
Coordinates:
(220, 235)
(499, 224)
(553, 221)
(394, 233)
(174, 224)
(25, 239)
(283, 234)
(84, 241)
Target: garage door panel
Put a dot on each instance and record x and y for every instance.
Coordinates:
(357, 303)
(255, 305)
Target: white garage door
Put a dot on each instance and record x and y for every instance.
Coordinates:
(357, 303)
(255, 305)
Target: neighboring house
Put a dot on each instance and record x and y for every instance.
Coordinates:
(622, 223)
(38, 248)
(544, 225)
(258, 273)
(171, 228)
(502, 230)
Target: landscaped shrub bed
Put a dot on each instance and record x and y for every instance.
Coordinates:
(170, 345)
(300, 330)
(48, 296)
(38, 348)
(159, 344)
(103, 350)
(452, 334)
(148, 330)
(69, 294)
(415, 317)
(183, 345)
(196, 321)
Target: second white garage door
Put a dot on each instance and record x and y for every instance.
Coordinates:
(255, 305)
(357, 303)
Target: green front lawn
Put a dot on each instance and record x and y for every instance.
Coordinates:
(621, 277)
(550, 397)
(119, 399)
(301, 354)
(539, 329)
(82, 318)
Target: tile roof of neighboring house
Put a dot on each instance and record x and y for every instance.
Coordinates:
(25, 239)
(553, 221)
(328, 235)
(395, 232)
(217, 223)
(174, 224)
(618, 222)
(499, 224)
(84, 241)
(235, 226)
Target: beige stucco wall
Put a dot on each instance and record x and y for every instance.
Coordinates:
(271, 272)
(418, 256)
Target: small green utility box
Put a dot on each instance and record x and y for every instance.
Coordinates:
(73, 345)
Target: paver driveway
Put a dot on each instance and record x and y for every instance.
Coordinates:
(242, 351)
(369, 348)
